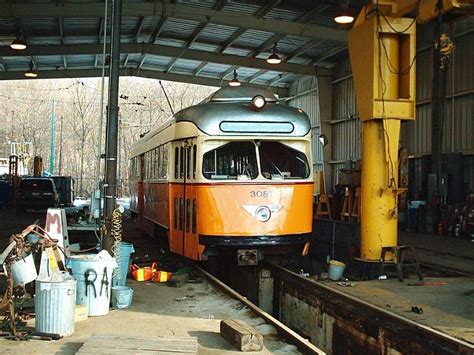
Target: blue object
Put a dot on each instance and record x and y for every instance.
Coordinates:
(121, 297)
(126, 249)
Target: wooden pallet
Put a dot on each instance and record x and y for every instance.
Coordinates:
(126, 344)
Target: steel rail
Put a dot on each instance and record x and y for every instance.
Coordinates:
(386, 319)
(446, 269)
(303, 344)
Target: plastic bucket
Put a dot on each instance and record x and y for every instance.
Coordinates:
(55, 300)
(120, 275)
(121, 297)
(24, 270)
(94, 280)
(336, 269)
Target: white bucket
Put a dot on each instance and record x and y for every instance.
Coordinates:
(94, 281)
(336, 269)
(24, 270)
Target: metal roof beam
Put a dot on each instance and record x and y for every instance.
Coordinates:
(220, 4)
(61, 37)
(271, 41)
(154, 35)
(163, 9)
(152, 74)
(137, 34)
(99, 38)
(256, 75)
(3, 64)
(329, 54)
(166, 51)
(260, 13)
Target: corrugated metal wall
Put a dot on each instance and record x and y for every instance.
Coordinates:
(307, 98)
(416, 136)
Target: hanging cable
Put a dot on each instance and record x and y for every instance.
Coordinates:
(167, 99)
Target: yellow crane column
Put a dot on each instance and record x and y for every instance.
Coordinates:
(382, 52)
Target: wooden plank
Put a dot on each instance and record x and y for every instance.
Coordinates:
(241, 335)
(114, 344)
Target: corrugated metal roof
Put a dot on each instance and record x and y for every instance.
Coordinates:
(253, 38)
(174, 32)
(213, 33)
(284, 14)
(179, 28)
(241, 8)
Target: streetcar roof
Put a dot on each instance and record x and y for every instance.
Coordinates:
(228, 112)
(240, 93)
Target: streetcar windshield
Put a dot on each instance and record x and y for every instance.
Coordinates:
(279, 161)
(232, 161)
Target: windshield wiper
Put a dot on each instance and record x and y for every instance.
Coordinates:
(273, 164)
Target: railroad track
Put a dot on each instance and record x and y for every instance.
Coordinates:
(354, 323)
(445, 269)
(425, 253)
(338, 322)
(303, 344)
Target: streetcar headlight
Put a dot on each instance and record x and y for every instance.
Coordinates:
(263, 213)
(258, 102)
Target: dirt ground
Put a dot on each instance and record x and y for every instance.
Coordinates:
(193, 310)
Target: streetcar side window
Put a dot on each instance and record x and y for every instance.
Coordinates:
(188, 163)
(164, 162)
(194, 160)
(147, 165)
(232, 161)
(279, 161)
(132, 169)
(153, 163)
(176, 162)
(181, 163)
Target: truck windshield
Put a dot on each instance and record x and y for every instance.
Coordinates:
(232, 161)
(279, 161)
(36, 185)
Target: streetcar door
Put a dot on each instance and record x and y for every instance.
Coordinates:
(177, 190)
(183, 238)
(190, 203)
(140, 176)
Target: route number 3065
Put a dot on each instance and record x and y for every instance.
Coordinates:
(260, 193)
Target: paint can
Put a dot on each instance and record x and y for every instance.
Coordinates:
(94, 280)
(24, 270)
(55, 300)
(121, 297)
(336, 269)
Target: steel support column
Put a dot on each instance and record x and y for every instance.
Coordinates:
(110, 186)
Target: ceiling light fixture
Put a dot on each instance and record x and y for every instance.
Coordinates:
(234, 82)
(274, 58)
(18, 44)
(344, 16)
(31, 73)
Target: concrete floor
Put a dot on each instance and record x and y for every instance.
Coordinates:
(157, 310)
(445, 308)
(193, 310)
(447, 251)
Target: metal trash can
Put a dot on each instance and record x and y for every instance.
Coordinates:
(55, 303)
(94, 281)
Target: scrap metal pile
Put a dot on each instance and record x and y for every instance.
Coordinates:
(19, 269)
